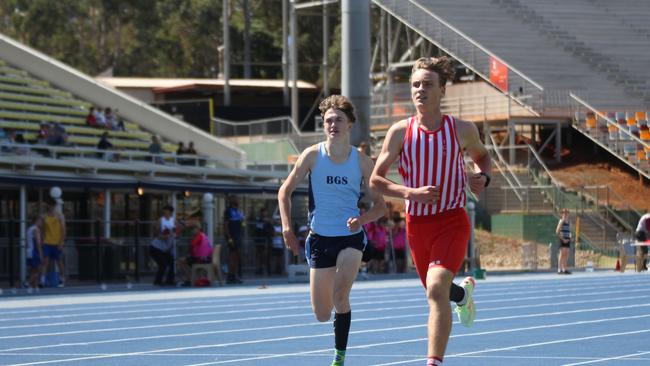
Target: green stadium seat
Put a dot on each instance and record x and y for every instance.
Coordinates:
(22, 80)
(10, 96)
(65, 111)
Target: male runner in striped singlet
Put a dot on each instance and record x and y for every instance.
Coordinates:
(430, 148)
(337, 171)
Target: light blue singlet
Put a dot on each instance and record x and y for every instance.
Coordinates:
(334, 191)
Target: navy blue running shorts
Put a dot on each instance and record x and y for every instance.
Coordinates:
(322, 251)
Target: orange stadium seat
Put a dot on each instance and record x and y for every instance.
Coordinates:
(613, 132)
(640, 116)
(591, 122)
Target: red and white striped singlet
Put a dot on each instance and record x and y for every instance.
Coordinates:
(433, 158)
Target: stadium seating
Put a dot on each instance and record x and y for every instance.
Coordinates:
(619, 136)
(26, 102)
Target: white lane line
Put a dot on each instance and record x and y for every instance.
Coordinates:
(172, 297)
(636, 354)
(221, 303)
(170, 301)
(328, 353)
(328, 334)
(303, 324)
(575, 358)
(204, 322)
(529, 345)
(218, 345)
(500, 299)
(224, 293)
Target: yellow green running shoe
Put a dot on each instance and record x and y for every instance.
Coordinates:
(339, 358)
(467, 312)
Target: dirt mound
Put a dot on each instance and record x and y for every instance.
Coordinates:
(503, 253)
(627, 188)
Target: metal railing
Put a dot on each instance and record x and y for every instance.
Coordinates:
(473, 107)
(115, 155)
(256, 130)
(614, 137)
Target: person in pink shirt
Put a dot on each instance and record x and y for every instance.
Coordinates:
(399, 244)
(379, 242)
(200, 251)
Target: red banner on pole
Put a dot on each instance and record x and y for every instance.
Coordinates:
(499, 74)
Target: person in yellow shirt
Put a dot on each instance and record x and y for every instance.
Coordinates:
(53, 239)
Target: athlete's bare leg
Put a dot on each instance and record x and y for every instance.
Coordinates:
(321, 286)
(439, 326)
(330, 287)
(348, 263)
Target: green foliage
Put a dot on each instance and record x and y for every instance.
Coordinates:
(164, 38)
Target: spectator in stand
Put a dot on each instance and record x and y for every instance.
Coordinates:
(233, 219)
(100, 119)
(43, 133)
(379, 241)
(181, 149)
(163, 246)
(190, 151)
(641, 234)
(91, 120)
(399, 244)
(34, 252)
(363, 147)
(108, 115)
(263, 235)
(20, 140)
(190, 148)
(104, 144)
(53, 240)
(120, 124)
(563, 232)
(155, 148)
(9, 142)
(119, 121)
(368, 252)
(277, 247)
(200, 252)
(58, 136)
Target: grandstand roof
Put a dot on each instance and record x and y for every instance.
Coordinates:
(171, 84)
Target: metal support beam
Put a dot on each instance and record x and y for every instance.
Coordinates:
(208, 216)
(355, 61)
(390, 50)
(326, 31)
(558, 142)
(23, 233)
(293, 45)
(512, 135)
(226, 53)
(247, 39)
(107, 213)
(285, 53)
